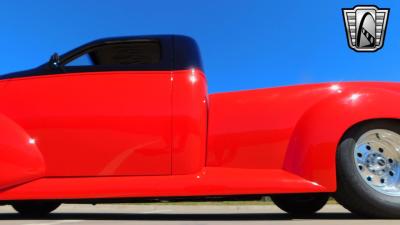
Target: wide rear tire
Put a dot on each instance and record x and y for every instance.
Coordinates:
(368, 166)
(300, 204)
(35, 208)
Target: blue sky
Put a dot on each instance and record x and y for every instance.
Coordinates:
(244, 44)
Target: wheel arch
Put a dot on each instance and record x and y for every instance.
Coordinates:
(368, 121)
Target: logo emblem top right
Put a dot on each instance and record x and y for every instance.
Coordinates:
(365, 27)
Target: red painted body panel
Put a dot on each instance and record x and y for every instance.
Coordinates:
(312, 149)
(96, 124)
(258, 125)
(293, 128)
(189, 121)
(158, 134)
(21, 161)
(206, 182)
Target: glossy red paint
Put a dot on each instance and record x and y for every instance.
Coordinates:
(189, 129)
(258, 125)
(293, 128)
(312, 149)
(21, 161)
(95, 124)
(158, 134)
(206, 182)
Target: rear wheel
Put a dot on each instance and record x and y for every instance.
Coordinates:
(35, 208)
(368, 170)
(300, 204)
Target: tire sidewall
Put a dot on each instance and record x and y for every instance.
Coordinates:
(372, 198)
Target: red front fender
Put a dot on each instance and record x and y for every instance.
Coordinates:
(20, 160)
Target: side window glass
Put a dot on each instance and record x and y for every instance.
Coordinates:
(121, 54)
(83, 60)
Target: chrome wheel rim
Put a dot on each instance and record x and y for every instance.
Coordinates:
(377, 160)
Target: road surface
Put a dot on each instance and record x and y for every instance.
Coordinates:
(106, 214)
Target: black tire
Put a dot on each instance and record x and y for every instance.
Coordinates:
(300, 204)
(352, 191)
(35, 208)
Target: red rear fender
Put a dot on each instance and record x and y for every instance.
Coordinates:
(311, 151)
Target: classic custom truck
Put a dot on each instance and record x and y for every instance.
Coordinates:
(130, 119)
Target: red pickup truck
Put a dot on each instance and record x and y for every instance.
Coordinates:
(130, 119)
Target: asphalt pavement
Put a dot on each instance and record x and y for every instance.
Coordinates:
(71, 214)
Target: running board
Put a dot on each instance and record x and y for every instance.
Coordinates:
(211, 181)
